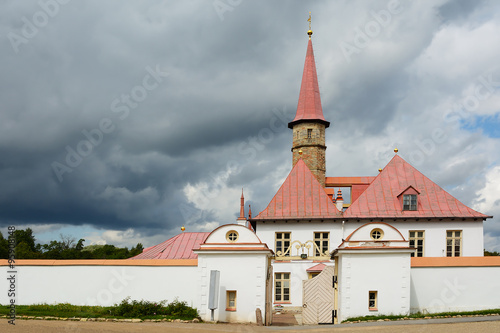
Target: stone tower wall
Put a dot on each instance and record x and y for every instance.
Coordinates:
(310, 138)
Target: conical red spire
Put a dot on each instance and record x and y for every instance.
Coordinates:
(309, 106)
(242, 207)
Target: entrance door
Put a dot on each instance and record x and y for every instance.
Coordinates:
(318, 298)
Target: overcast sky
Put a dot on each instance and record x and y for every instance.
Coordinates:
(122, 121)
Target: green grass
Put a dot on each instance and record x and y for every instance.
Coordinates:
(124, 309)
(420, 315)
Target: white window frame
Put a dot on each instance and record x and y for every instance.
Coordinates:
(285, 242)
(415, 238)
(321, 239)
(283, 278)
(456, 236)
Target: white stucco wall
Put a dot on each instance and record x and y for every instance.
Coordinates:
(435, 233)
(245, 273)
(386, 273)
(435, 236)
(441, 289)
(100, 285)
(304, 231)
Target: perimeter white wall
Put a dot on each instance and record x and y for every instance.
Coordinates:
(100, 285)
(441, 289)
(245, 273)
(386, 273)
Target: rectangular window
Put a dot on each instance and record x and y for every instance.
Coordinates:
(231, 300)
(309, 133)
(282, 244)
(453, 243)
(416, 239)
(322, 241)
(409, 202)
(372, 300)
(282, 287)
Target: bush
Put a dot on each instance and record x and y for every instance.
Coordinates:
(180, 309)
(139, 309)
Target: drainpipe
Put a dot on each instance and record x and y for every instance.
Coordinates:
(343, 230)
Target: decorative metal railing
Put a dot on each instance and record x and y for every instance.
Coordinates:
(298, 250)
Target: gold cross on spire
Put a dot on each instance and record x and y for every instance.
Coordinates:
(309, 32)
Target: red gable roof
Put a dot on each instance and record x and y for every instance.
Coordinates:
(309, 106)
(316, 268)
(300, 196)
(177, 247)
(380, 199)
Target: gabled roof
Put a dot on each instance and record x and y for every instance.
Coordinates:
(300, 196)
(316, 268)
(380, 199)
(309, 106)
(177, 247)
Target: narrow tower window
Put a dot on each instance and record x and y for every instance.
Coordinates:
(309, 133)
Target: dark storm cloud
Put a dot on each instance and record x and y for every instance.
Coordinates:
(66, 79)
(458, 9)
(230, 85)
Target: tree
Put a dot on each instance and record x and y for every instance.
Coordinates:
(4, 247)
(64, 248)
(488, 253)
(136, 250)
(26, 237)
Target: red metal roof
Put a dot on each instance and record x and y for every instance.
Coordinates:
(177, 247)
(380, 199)
(300, 196)
(316, 268)
(347, 181)
(309, 106)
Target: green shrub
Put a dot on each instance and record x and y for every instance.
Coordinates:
(125, 309)
(140, 309)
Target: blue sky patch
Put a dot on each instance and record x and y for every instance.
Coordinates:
(490, 125)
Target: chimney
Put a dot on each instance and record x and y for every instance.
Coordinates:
(340, 201)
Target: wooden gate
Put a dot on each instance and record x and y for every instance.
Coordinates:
(318, 298)
(268, 320)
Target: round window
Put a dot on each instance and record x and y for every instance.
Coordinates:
(232, 236)
(377, 234)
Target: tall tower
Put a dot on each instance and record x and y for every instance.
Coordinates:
(309, 123)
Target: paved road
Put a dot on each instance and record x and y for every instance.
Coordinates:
(429, 326)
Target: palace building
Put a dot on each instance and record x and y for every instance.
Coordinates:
(326, 246)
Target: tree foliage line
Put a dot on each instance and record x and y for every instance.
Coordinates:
(66, 247)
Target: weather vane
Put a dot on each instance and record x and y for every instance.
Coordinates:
(309, 32)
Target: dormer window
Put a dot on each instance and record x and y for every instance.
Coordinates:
(409, 202)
